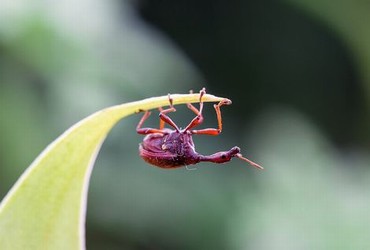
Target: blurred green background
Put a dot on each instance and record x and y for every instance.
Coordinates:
(298, 73)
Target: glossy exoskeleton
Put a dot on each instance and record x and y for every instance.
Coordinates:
(172, 148)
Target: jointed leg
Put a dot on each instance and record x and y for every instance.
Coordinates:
(194, 109)
(164, 118)
(214, 131)
(145, 131)
(199, 118)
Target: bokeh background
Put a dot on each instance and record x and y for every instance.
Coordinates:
(298, 73)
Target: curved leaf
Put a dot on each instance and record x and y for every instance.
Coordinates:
(46, 207)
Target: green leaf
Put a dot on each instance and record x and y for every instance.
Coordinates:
(46, 207)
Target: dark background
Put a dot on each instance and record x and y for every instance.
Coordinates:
(267, 53)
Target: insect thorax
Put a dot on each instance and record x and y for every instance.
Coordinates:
(179, 143)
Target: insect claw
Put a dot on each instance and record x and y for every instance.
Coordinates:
(139, 111)
(225, 102)
(202, 92)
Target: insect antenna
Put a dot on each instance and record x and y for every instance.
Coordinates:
(253, 164)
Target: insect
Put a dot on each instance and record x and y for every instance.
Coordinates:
(172, 148)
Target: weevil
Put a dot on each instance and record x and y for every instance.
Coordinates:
(172, 148)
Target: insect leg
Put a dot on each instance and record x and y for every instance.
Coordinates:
(199, 118)
(194, 109)
(143, 119)
(206, 131)
(214, 131)
(163, 112)
(145, 131)
(164, 118)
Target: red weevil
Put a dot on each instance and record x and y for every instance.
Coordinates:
(172, 148)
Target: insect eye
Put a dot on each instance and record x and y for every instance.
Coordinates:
(223, 156)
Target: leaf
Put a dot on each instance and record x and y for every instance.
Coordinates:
(46, 207)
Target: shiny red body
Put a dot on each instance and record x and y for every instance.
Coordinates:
(169, 150)
(172, 148)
